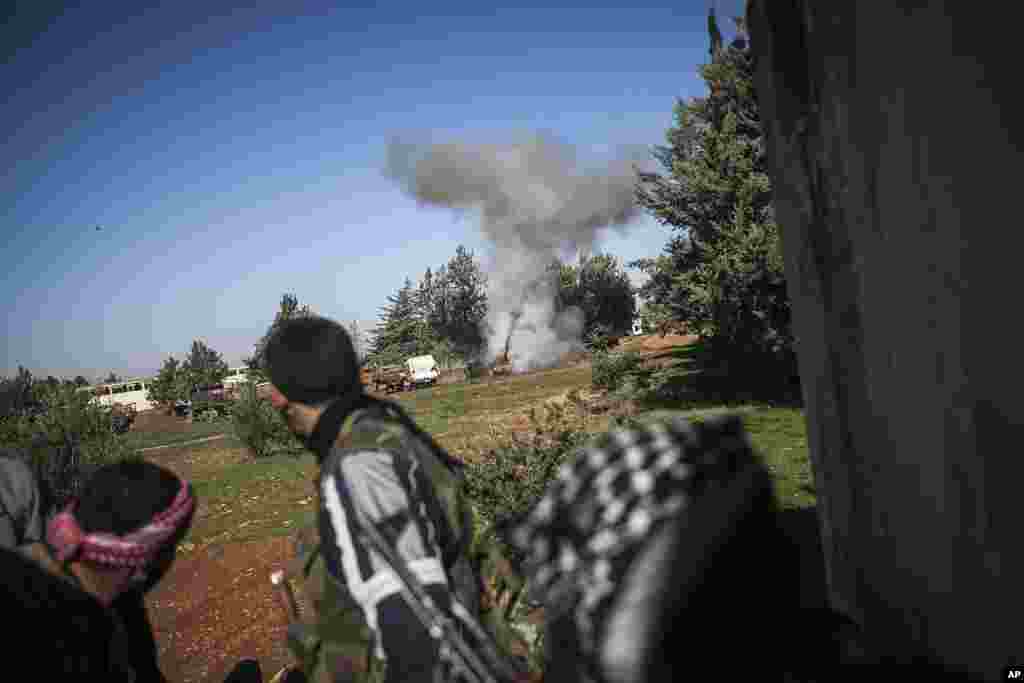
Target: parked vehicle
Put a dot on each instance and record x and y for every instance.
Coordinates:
(422, 370)
(210, 397)
(209, 392)
(387, 378)
(121, 418)
(134, 393)
(182, 408)
(235, 376)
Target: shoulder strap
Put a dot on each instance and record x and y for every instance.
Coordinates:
(329, 425)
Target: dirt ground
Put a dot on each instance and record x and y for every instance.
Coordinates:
(654, 342)
(216, 607)
(159, 421)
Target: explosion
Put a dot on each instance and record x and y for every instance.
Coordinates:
(535, 203)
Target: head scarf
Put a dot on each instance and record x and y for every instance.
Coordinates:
(134, 550)
(582, 537)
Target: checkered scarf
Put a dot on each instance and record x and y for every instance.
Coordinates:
(592, 521)
(134, 550)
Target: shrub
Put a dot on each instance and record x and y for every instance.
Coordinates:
(209, 415)
(599, 339)
(730, 374)
(672, 383)
(259, 426)
(64, 440)
(475, 370)
(508, 481)
(609, 370)
(212, 411)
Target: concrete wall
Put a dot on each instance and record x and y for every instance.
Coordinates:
(894, 136)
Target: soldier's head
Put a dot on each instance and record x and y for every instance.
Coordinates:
(653, 531)
(310, 361)
(122, 532)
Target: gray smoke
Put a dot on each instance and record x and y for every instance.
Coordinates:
(535, 203)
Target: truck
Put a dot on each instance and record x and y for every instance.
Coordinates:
(121, 417)
(422, 370)
(210, 397)
(386, 378)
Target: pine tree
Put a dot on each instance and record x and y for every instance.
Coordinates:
(461, 304)
(722, 271)
(289, 308)
(397, 336)
(171, 384)
(203, 365)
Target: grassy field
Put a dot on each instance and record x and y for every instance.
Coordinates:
(195, 430)
(243, 499)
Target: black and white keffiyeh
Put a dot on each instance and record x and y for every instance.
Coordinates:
(612, 496)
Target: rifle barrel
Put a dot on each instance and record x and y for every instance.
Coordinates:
(285, 595)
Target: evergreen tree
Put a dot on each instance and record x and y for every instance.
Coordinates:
(600, 287)
(289, 308)
(722, 272)
(204, 365)
(460, 303)
(171, 384)
(398, 335)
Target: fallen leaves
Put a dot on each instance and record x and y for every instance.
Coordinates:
(208, 614)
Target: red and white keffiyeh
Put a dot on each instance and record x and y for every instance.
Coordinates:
(134, 550)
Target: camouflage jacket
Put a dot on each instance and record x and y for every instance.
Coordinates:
(389, 475)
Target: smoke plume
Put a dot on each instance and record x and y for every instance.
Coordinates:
(535, 203)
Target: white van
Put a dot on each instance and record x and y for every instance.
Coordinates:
(236, 376)
(423, 370)
(134, 393)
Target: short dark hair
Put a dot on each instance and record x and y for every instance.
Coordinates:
(122, 497)
(312, 360)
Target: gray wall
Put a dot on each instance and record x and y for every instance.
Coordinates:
(894, 137)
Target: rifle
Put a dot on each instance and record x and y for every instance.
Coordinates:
(301, 643)
(487, 665)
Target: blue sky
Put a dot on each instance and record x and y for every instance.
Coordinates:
(232, 157)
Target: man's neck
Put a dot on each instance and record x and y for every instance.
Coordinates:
(104, 585)
(303, 418)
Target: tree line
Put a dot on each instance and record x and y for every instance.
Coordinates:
(444, 314)
(176, 380)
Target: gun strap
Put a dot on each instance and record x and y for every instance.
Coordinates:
(415, 595)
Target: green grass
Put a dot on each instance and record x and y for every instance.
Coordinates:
(197, 430)
(460, 415)
(243, 499)
(779, 435)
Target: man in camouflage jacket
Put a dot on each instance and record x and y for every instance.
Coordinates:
(375, 465)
